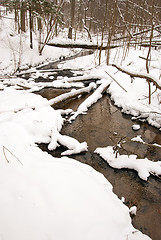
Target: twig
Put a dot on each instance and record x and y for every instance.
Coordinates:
(5, 154)
(145, 97)
(4, 148)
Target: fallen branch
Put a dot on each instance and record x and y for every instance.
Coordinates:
(24, 87)
(4, 148)
(115, 81)
(139, 75)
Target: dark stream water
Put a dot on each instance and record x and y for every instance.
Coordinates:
(98, 128)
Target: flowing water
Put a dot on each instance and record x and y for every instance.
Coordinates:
(105, 125)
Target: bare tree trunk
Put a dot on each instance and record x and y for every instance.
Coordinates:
(149, 51)
(40, 30)
(31, 25)
(56, 24)
(103, 29)
(23, 17)
(16, 17)
(72, 19)
(110, 33)
(49, 32)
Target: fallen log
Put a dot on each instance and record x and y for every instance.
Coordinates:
(71, 94)
(77, 45)
(146, 76)
(93, 98)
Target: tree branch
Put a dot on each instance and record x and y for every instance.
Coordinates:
(139, 75)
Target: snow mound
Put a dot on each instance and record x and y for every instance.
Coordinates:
(143, 166)
(60, 199)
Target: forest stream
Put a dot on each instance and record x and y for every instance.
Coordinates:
(105, 125)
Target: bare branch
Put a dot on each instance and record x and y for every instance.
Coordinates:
(123, 19)
(137, 34)
(49, 33)
(139, 75)
(145, 10)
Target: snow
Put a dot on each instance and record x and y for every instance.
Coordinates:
(133, 210)
(137, 139)
(144, 167)
(72, 93)
(16, 53)
(44, 202)
(136, 127)
(82, 109)
(42, 197)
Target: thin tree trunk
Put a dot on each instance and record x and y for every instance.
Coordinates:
(40, 30)
(49, 33)
(31, 25)
(23, 20)
(149, 51)
(72, 19)
(110, 34)
(103, 29)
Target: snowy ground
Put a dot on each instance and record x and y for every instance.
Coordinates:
(49, 198)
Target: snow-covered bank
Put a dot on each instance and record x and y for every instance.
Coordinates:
(131, 95)
(135, 100)
(62, 199)
(44, 197)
